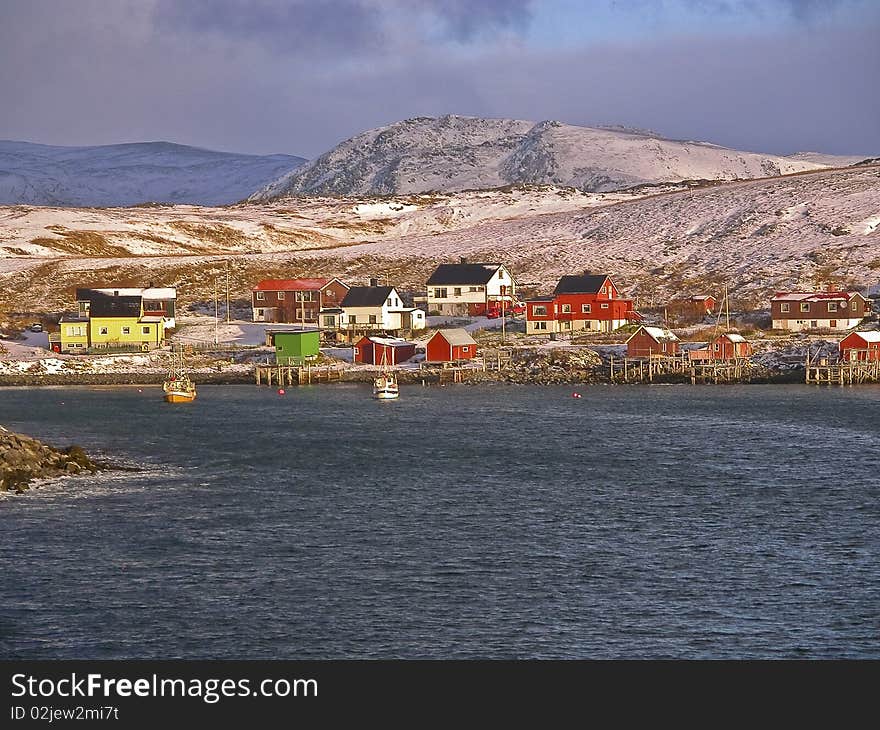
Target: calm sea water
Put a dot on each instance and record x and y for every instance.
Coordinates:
(459, 522)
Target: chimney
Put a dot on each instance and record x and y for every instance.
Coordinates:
(374, 282)
(462, 259)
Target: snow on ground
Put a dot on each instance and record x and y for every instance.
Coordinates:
(196, 330)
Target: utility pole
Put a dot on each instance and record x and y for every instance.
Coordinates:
(216, 312)
(503, 289)
(227, 290)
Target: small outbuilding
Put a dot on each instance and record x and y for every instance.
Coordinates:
(860, 347)
(294, 346)
(651, 342)
(450, 345)
(726, 346)
(371, 350)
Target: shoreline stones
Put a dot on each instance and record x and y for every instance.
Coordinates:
(24, 459)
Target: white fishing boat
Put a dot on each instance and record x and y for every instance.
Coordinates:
(385, 386)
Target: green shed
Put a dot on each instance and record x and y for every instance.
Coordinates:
(294, 346)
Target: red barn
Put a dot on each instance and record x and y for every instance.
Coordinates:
(648, 341)
(371, 349)
(450, 345)
(860, 347)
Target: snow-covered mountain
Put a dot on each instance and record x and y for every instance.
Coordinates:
(131, 174)
(455, 153)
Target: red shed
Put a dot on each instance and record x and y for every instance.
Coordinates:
(370, 350)
(449, 345)
(860, 347)
(647, 341)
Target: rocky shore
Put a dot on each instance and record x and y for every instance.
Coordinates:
(23, 459)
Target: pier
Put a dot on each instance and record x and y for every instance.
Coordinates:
(842, 373)
(645, 370)
(281, 375)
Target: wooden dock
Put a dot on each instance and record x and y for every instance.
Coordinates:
(824, 372)
(281, 375)
(645, 370)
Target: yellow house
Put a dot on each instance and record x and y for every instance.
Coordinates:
(119, 321)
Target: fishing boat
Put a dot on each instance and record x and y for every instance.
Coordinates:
(178, 387)
(385, 385)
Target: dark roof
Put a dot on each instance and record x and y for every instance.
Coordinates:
(463, 273)
(103, 305)
(588, 284)
(366, 296)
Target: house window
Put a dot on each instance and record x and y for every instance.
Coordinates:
(466, 348)
(586, 308)
(855, 306)
(832, 306)
(457, 291)
(126, 330)
(784, 307)
(329, 321)
(352, 319)
(145, 330)
(814, 324)
(372, 319)
(566, 309)
(604, 305)
(261, 295)
(103, 331)
(833, 324)
(566, 325)
(280, 295)
(805, 306)
(260, 312)
(440, 293)
(539, 311)
(540, 325)
(475, 288)
(717, 347)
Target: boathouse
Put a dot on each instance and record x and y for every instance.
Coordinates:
(292, 347)
(450, 345)
(651, 341)
(726, 346)
(370, 350)
(860, 347)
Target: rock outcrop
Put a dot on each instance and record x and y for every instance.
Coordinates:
(23, 459)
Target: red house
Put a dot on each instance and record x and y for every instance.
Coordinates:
(726, 346)
(296, 300)
(372, 349)
(702, 304)
(450, 345)
(588, 302)
(651, 341)
(860, 347)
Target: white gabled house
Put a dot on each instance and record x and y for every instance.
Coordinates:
(377, 309)
(466, 289)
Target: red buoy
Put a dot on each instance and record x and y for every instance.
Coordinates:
(575, 395)
(281, 391)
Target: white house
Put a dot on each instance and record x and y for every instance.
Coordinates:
(376, 308)
(469, 289)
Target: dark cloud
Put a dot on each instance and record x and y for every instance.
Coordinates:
(103, 71)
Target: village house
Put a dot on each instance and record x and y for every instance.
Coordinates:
(860, 347)
(466, 289)
(115, 319)
(588, 302)
(723, 347)
(651, 342)
(295, 300)
(702, 304)
(450, 345)
(374, 350)
(832, 309)
(377, 309)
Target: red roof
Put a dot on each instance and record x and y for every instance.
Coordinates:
(291, 284)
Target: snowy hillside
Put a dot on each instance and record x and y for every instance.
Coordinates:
(461, 153)
(131, 174)
(754, 236)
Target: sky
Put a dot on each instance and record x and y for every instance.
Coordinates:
(300, 76)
